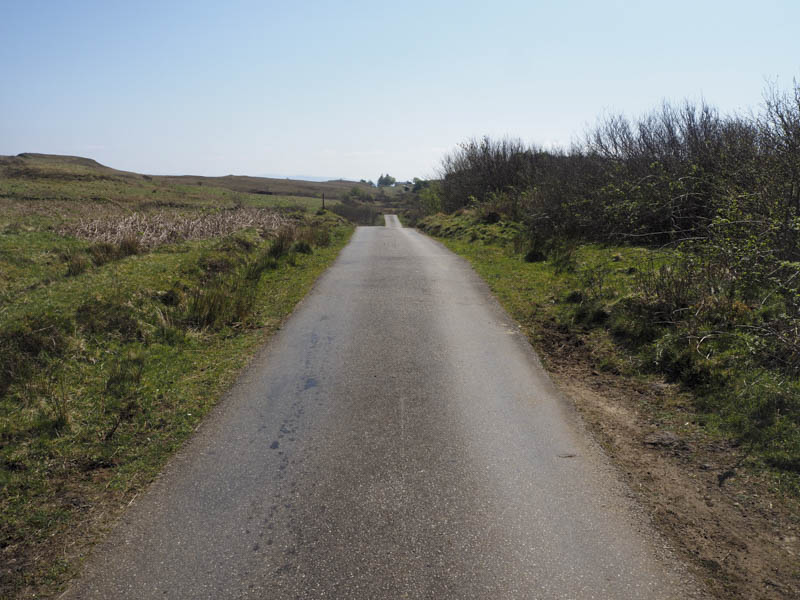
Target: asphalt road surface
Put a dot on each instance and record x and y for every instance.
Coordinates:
(396, 439)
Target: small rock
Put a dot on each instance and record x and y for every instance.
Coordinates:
(660, 388)
(666, 439)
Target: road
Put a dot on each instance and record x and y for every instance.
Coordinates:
(396, 439)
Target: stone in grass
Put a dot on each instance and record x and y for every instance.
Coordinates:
(663, 439)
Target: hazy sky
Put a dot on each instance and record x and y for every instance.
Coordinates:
(353, 89)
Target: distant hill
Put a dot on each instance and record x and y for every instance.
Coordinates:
(54, 166)
(316, 178)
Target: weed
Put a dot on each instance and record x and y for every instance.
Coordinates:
(102, 253)
(562, 257)
(121, 391)
(46, 391)
(302, 247)
(255, 268)
(77, 263)
(228, 301)
(129, 245)
(321, 237)
(282, 242)
(26, 345)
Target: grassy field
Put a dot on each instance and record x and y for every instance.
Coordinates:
(127, 306)
(269, 186)
(36, 189)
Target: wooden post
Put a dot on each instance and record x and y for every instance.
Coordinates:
(323, 200)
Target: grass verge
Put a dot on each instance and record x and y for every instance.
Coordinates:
(108, 367)
(718, 481)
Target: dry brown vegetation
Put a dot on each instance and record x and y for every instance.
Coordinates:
(156, 229)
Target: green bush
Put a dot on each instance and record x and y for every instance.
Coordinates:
(302, 247)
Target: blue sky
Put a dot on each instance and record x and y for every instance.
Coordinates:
(354, 89)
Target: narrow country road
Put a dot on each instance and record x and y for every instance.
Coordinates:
(396, 439)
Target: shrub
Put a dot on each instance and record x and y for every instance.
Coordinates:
(721, 193)
(302, 247)
(282, 242)
(534, 254)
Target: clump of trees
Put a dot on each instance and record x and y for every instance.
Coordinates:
(386, 180)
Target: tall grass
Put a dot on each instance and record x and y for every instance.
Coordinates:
(136, 231)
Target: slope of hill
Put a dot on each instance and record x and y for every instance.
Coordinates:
(29, 165)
